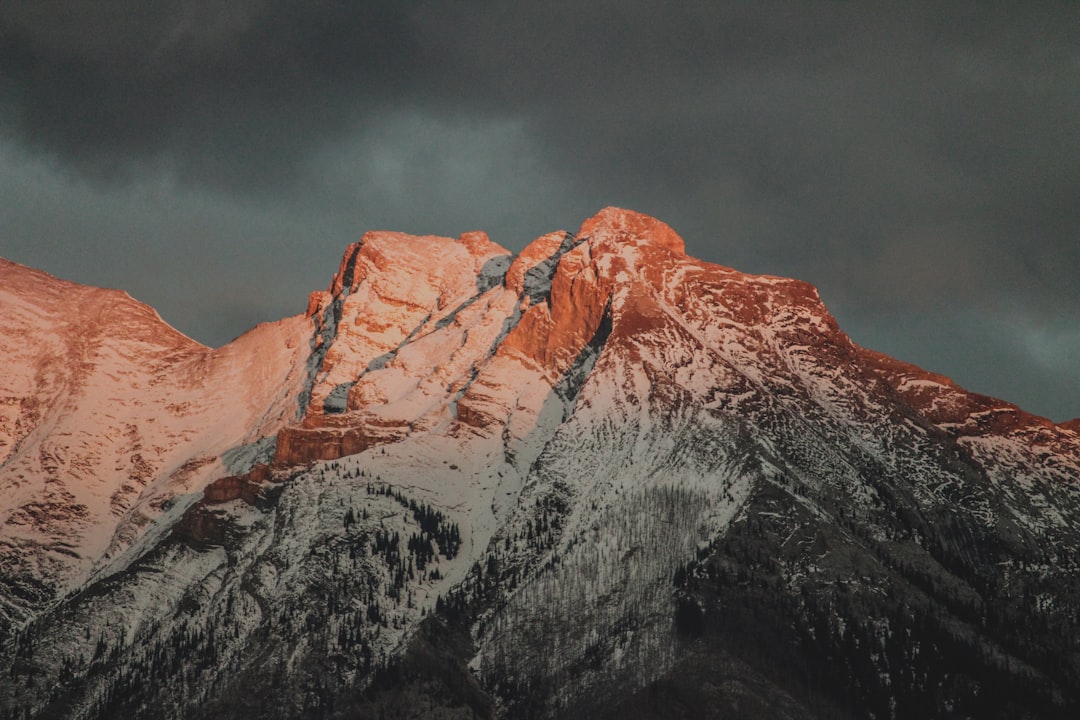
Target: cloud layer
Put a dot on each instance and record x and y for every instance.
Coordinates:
(918, 164)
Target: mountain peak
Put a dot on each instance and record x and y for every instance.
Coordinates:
(624, 226)
(571, 477)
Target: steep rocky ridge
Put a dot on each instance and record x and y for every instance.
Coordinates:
(599, 478)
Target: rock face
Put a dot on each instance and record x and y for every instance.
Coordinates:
(600, 478)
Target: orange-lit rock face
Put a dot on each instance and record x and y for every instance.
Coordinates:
(618, 225)
(396, 333)
(557, 324)
(614, 248)
(527, 264)
(388, 287)
(430, 333)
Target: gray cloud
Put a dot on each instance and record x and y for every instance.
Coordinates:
(914, 162)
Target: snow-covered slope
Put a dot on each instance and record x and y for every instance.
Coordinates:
(110, 418)
(567, 483)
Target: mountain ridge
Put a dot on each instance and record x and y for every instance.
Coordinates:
(565, 473)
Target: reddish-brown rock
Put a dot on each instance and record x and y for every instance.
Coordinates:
(238, 487)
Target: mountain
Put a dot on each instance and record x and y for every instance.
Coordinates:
(108, 417)
(597, 479)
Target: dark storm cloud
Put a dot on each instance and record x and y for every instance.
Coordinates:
(231, 94)
(913, 161)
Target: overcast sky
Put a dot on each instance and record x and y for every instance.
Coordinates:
(918, 162)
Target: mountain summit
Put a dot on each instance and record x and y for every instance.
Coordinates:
(598, 479)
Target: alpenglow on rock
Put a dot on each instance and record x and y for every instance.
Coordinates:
(598, 479)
